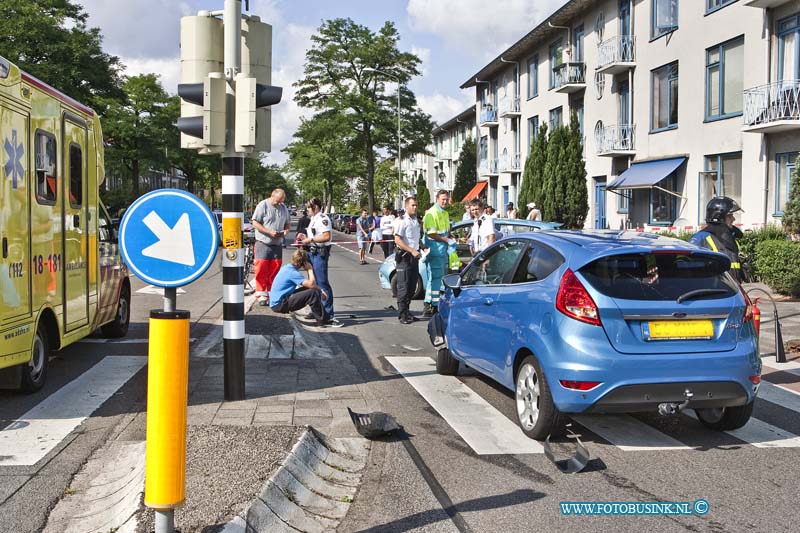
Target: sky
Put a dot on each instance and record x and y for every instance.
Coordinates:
(453, 38)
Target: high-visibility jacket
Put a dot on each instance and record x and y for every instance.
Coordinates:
(436, 221)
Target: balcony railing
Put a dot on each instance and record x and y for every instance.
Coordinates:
(774, 106)
(443, 153)
(569, 77)
(488, 167)
(510, 163)
(509, 106)
(616, 139)
(488, 115)
(616, 54)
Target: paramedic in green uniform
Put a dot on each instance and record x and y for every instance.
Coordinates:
(436, 227)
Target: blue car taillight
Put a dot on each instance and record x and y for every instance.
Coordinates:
(574, 301)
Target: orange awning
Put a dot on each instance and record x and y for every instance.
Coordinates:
(475, 191)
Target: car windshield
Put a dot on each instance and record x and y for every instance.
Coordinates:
(513, 229)
(659, 276)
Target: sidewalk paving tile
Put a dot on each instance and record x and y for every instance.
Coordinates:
(275, 407)
(285, 417)
(319, 412)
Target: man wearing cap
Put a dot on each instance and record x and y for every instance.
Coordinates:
(534, 213)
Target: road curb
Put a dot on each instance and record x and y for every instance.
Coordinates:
(311, 491)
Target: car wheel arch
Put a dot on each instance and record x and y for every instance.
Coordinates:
(519, 356)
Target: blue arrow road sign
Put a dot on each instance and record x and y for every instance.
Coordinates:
(168, 237)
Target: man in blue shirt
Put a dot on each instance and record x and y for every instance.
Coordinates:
(291, 291)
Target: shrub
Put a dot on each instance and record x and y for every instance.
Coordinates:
(748, 243)
(776, 263)
(455, 210)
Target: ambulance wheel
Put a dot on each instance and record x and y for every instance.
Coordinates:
(34, 372)
(119, 327)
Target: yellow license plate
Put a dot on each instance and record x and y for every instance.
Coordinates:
(678, 329)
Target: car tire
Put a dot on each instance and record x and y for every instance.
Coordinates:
(119, 327)
(446, 364)
(537, 414)
(725, 418)
(34, 373)
(393, 283)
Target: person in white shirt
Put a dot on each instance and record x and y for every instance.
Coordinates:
(387, 232)
(534, 214)
(407, 239)
(319, 237)
(483, 233)
(511, 212)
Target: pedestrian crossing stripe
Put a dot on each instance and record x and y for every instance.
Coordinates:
(476, 421)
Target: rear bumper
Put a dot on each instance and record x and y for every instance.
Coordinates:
(647, 396)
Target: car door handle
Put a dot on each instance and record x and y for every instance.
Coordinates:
(488, 301)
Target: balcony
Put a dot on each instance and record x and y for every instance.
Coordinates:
(488, 167)
(488, 117)
(509, 107)
(569, 77)
(510, 163)
(772, 108)
(443, 154)
(616, 140)
(616, 54)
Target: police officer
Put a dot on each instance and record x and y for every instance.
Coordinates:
(318, 239)
(406, 238)
(720, 234)
(482, 235)
(436, 226)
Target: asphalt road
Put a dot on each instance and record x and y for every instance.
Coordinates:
(435, 481)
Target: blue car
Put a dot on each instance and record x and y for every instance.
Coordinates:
(602, 322)
(461, 231)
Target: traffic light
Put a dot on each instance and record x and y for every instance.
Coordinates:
(202, 122)
(254, 92)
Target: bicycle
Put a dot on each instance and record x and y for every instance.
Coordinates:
(248, 267)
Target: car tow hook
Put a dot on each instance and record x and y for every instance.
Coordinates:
(673, 408)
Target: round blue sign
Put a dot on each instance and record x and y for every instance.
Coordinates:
(168, 237)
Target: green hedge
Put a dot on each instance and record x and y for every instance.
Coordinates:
(777, 264)
(748, 243)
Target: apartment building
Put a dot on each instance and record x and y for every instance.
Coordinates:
(678, 101)
(439, 169)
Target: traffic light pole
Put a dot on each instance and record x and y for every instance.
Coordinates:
(232, 204)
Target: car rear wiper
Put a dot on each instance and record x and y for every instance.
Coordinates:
(699, 292)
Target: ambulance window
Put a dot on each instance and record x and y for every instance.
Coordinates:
(105, 227)
(45, 154)
(75, 175)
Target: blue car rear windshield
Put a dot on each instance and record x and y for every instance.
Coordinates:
(660, 276)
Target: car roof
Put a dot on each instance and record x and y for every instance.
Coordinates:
(513, 222)
(584, 246)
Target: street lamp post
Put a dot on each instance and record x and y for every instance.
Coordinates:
(399, 158)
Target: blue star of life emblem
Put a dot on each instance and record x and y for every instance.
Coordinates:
(13, 166)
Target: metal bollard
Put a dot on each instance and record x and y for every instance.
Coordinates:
(780, 352)
(167, 395)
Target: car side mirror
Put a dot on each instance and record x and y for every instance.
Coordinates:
(453, 281)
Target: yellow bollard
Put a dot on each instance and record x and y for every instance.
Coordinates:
(167, 398)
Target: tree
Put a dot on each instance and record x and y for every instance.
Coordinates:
(532, 186)
(137, 129)
(321, 155)
(423, 195)
(260, 180)
(791, 213)
(575, 204)
(385, 183)
(50, 40)
(467, 173)
(340, 76)
(552, 186)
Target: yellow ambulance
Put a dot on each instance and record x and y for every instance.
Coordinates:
(61, 275)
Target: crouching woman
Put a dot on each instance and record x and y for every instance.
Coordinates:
(291, 291)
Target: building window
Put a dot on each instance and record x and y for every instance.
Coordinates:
(623, 200)
(714, 5)
(723, 177)
(533, 77)
(533, 130)
(789, 48)
(556, 59)
(75, 176)
(725, 79)
(664, 204)
(785, 164)
(484, 148)
(577, 39)
(556, 118)
(45, 155)
(665, 17)
(664, 98)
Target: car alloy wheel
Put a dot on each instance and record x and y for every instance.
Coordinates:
(528, 396)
